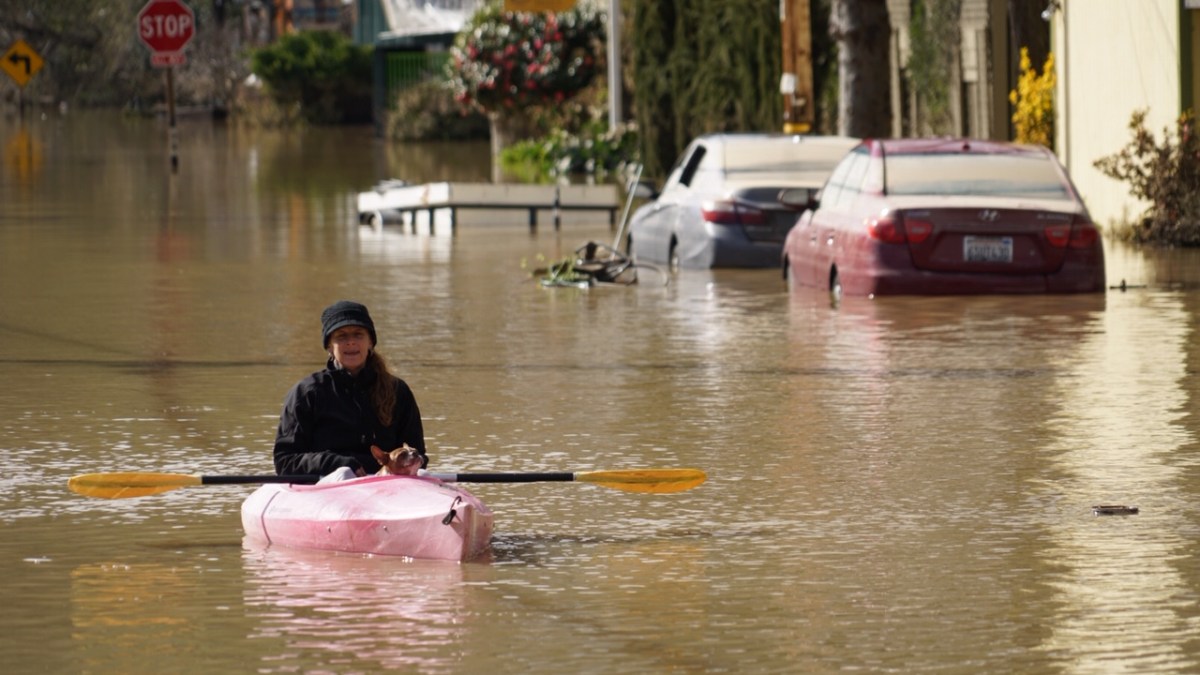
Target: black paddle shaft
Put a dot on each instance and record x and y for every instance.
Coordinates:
(241, 480)
(513, 477)
(304, 479)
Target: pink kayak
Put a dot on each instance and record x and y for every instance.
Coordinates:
(418, 517)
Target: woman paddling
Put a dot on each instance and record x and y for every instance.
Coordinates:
(332, 417)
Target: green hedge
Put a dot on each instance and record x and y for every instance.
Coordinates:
(324, 73)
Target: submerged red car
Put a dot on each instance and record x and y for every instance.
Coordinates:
(945, 216)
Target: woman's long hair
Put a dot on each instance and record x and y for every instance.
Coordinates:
(383, 391)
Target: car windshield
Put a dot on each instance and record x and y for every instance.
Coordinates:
(963, 174)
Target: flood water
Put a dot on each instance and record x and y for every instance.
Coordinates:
(895, 485)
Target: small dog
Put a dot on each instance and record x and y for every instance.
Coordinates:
(403, 461)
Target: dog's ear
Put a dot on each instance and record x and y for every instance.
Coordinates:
(380, 456)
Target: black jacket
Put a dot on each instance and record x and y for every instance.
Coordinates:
(328, 422)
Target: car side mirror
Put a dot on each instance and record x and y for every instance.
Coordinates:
(645, 190)
(800, 199)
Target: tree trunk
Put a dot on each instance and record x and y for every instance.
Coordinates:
(863, 34)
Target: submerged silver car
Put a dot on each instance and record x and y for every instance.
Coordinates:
(720, 205)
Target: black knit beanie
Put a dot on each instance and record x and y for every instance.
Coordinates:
(345, 313)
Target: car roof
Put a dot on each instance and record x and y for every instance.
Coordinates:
(769, 153)
(751, 140)
(943, 145)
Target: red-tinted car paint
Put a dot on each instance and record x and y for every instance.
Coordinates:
(1030, 231)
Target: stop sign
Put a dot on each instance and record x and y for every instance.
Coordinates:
(165, 26)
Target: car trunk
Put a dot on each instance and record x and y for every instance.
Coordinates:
(987, 240)
(773, 221)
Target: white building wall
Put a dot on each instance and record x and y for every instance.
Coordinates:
(1113, 57)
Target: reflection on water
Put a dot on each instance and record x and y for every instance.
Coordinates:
(124, 614)
(1121, 441)
(881, 475)
(361, 611)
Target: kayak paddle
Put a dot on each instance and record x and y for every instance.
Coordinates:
(629, 480)
(134, 484)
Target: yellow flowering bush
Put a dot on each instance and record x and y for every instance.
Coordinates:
(1033, 101)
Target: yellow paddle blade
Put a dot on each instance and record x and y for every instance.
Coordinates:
(645, 480)
(129, 484)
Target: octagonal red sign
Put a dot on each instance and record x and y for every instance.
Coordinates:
(166, 25)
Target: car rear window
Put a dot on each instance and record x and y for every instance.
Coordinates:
(782, 156)
(963, 174)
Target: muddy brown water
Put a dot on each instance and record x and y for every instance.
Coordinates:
(899, 484)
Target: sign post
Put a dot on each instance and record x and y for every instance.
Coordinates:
(166, 26)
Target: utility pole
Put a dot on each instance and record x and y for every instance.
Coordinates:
(796, 83)
(614, 64)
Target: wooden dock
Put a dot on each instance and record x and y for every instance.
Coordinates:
(439, 205)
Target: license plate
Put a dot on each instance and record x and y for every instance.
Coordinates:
(987, 249)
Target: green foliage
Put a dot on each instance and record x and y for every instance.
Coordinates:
(505, 60)
(1033, 102)
(595, 150)
(574, 139)
(323, 72)
(825, 75)
(1165, 173)
(703, 66)
(560, 272)
(934, 29)
(653, 89)
(426, 111)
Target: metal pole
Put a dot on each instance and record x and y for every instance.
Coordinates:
(629, 188)
(172, 134)
(614, 63)
(1066, 106)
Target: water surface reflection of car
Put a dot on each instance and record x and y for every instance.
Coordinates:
(720, 204)
(945, 216)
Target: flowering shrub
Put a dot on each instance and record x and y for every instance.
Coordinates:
(595, 150)
(1165, 173)
(1033, 117)
(505, 60)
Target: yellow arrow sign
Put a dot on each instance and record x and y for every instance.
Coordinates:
(21, 62)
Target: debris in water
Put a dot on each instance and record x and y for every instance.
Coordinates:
(1114, 510)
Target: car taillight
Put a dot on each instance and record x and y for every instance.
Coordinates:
(886, 229)
(917, 231)
(1082, 235)
(1058, 235)
(729, 212)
